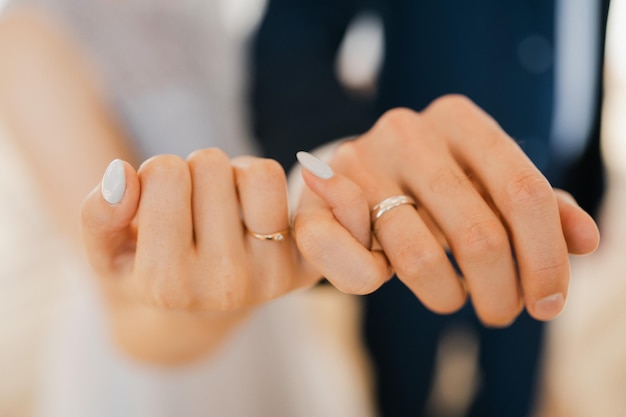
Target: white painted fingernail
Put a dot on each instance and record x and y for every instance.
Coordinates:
(315, 165)
(114, 182)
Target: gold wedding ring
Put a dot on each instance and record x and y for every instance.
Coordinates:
(278, 236)
(390, 203)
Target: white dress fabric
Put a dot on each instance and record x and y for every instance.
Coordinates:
(174, 78)
(172, 73)
(281, 363)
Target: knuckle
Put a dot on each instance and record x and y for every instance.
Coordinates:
(498, 312)
(172, 295)
(445, 299)
(361, 285)
(399, 121)
(450, 305)
(553, 269)
(346, 152)
(446, 182)
(359, 279)
(499, 319)
(398, 116)
(208, 159)
(271, 168)
(454, 102)
(367, 284)
(482, 239)
(165, 166)
(266, 171)
(528, 189)
(500, 315)
(414, 259)
(348, 156)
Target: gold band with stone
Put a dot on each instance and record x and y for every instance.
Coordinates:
(278, 236)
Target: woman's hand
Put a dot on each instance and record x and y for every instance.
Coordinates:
(477, 195)
(175, 251)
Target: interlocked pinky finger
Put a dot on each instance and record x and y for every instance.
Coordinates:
(334, 251)
(342, 195)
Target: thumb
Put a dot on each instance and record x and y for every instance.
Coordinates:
(106, 217)
(579, 229)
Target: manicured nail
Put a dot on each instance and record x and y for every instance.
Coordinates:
(315, 165)
(549, 306)
(114, 182)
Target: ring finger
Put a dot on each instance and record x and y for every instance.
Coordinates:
(262, 188)
(415, 254)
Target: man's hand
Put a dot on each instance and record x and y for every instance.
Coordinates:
(478, 195)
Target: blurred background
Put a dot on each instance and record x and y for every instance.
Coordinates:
(586, 361)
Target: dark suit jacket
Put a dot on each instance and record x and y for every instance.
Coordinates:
(431, 48)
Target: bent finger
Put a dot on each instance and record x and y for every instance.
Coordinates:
(580, 230)
(334, 251)
(344, 197)
(415, 254)
(164, 216)
(216, 218)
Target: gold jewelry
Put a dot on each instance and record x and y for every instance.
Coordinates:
(278, 236)
(388, 204)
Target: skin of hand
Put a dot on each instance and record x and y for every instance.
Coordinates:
(478, 195)
(52, 104)
(500, 201)
(174, 252)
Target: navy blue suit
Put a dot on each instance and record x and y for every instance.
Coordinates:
(431, 48)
